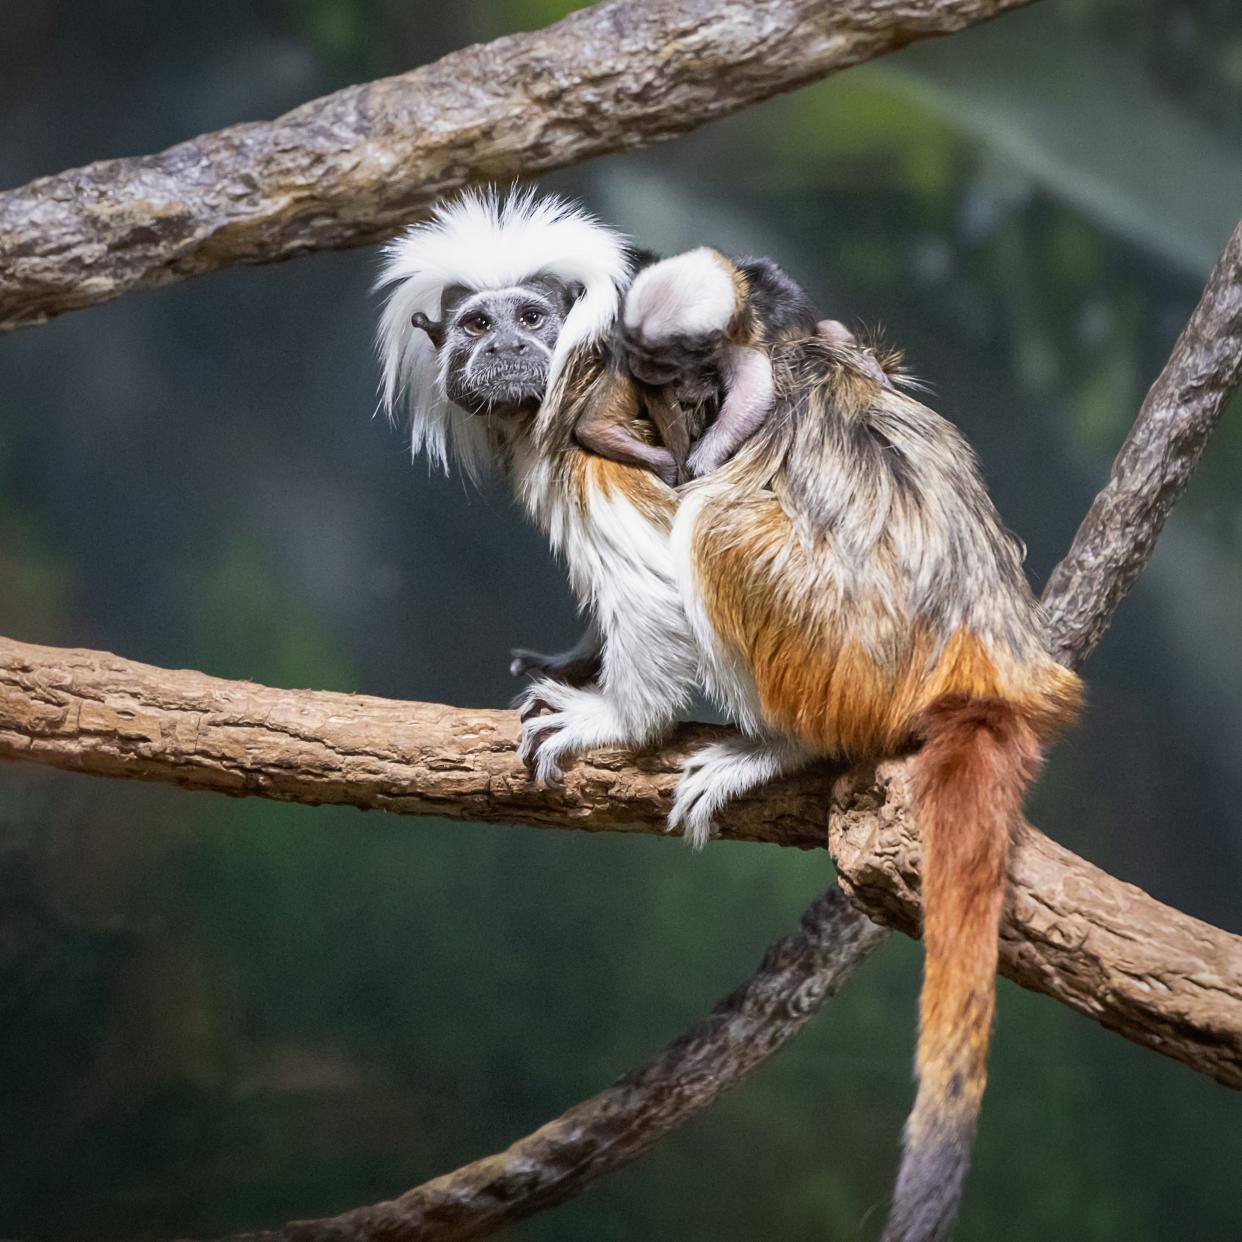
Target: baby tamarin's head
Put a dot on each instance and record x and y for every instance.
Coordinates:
(677, 313)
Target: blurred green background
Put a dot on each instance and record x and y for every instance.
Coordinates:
(219, 1014)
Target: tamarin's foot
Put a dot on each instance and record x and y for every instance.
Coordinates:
(561, 722)
(721, 772)
(542, 749)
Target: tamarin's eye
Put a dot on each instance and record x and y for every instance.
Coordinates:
(476, 325)
(531, 317)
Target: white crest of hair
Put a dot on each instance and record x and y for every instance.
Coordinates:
(691, 294)
(485, 241)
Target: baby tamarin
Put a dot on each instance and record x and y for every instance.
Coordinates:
(842, 587)
(704, 371)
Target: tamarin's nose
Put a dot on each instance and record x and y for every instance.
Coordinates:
(507, 345)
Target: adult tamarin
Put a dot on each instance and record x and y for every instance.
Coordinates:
(492, 295)
(842, 587)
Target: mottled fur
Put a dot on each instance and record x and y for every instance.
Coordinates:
(852, 592)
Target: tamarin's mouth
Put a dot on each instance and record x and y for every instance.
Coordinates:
(507, 385)
(516, 371)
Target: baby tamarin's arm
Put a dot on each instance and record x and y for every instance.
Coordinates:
(611, 427)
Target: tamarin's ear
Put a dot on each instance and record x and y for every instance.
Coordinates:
(434, 330)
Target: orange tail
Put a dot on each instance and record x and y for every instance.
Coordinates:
(978, 758)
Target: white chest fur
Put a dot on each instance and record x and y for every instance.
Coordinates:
(622, 570)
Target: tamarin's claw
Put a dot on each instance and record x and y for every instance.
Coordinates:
(531, 706)
(544, 747)
(693, 812)
(715, 775)
(541, 764)
(577, 720)
(541, 769)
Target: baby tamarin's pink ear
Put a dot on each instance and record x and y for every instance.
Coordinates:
(695, 294)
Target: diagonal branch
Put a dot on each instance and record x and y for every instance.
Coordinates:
(1119, 533)
(353, 167)
(798, 974)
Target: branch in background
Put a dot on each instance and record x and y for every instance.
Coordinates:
(353, 167)
(1119, 533)
(92, 712)
(557, 1161)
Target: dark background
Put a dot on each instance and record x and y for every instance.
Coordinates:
(219, 1014)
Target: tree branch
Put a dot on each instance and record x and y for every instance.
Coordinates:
(355, 166)
(92, 712)
(1119, 533)
(798, 974)
(1070, 930)
(89, 711)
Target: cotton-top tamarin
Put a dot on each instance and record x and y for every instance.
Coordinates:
(842, 587)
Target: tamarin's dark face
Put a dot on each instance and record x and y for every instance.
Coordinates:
(495, 346)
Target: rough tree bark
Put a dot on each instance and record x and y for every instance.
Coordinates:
(355, 166)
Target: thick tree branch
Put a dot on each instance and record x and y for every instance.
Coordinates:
(92, 712)
(798, 974)
(1119, 533)
(354, 166)
(89, 711)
